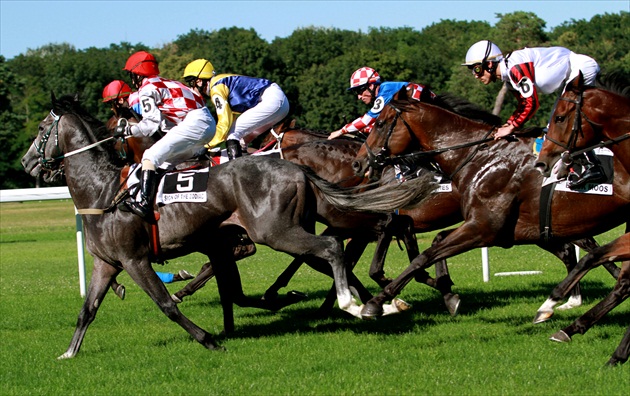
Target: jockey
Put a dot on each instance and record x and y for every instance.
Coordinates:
(119, 95)
(259, 104)
(367, 85)
(528, 72)
(171, 107)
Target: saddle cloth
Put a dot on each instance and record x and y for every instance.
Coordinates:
(177, 186)
(605, 157)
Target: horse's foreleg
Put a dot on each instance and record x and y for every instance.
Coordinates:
(142, 273)
(205, 274)
(102, 276)
(620, 292)
(618, 249)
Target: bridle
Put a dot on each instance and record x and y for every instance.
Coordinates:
(381, 159)
(55, 163)
(576, 129)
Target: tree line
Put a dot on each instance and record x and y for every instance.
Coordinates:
(313, 66)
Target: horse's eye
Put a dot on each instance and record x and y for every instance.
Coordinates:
(379, 123)
(560, 119)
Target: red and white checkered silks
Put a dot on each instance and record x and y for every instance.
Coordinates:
(177, 99)
(363, 76)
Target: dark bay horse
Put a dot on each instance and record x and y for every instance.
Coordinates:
(586, 117)
(332, 160)
(497, 182)
(273, 199)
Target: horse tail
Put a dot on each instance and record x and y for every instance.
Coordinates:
(383, 198)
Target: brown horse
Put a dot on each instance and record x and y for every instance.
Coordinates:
(332, 160)
(497, 182)
(585, 118)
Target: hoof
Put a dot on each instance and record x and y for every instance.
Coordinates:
(452, 303)
(542, 316)
(560, 336)
(401, 305)
(371, 310)
(176, 299)
(296, 296)
(66, 355)
(120, 292)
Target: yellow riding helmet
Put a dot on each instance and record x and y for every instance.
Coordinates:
(199, 68)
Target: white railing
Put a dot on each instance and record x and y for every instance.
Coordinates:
(46, 194)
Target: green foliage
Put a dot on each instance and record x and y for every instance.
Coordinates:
(312, 65)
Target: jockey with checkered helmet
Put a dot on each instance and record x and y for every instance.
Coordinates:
(366, 83)
(177, 111)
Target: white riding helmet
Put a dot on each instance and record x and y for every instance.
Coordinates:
(481, 52)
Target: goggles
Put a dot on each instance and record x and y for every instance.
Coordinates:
(477, 69)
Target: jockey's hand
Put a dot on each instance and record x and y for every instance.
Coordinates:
(122, 131)
(335, 134)
(503, 131)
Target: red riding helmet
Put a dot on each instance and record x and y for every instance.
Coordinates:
(116, 89)
(363, 77)
(143, 64)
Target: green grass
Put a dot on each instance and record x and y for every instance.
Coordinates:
(491, 348)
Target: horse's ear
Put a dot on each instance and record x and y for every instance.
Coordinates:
(76, 97)
(292, 124)
(403, 93)
(53, 99)
(577, 84)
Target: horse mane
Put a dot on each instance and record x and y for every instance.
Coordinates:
(452, 103)
(616, 82)
(69, 104)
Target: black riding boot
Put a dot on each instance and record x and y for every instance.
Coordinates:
(148, 187)
(233, 149)
(593, 172)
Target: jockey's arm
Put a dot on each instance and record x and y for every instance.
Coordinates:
(219, 95)
(151, 114)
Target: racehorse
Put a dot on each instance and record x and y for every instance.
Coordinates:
(586, 117)
(497, 182)
(281, 218)
(332, 160)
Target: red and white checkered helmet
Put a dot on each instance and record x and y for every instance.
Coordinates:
(364, 76)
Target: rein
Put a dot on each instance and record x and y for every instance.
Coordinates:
(381, 159)
(53, 162)
(576, 131)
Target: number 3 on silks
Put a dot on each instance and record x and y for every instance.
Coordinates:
(525, 87)
(378, 105)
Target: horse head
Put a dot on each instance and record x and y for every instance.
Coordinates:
(584, 116)
(131, 149)
(390, 136)
(57, 136)
(565, 130)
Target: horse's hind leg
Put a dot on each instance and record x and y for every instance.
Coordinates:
(102, 275)
(142, 273)
(205, 274)
(620, 356)
(443, 282)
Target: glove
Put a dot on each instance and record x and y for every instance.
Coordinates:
(122, 131)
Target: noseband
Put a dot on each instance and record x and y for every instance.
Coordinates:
(55, 163)
(382, 158)
(576, 130)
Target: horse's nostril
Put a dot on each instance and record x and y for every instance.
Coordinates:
(356, 166)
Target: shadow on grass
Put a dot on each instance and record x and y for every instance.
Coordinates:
(425, 313)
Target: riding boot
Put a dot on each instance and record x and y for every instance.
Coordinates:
(593, 172)
(148, 188)
(233, 149)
